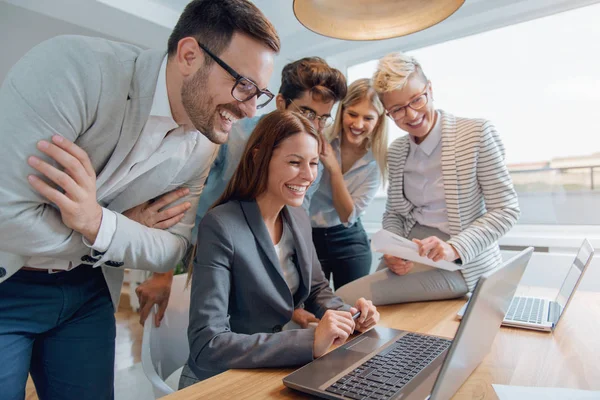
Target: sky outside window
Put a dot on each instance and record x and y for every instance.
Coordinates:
(538, 82)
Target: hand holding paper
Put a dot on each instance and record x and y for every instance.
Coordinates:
(397, 265)
(436, 249)
(389, 243)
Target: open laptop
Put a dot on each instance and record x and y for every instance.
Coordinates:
(541, 313)
(386, 363)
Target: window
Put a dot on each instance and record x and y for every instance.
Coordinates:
(539, 83)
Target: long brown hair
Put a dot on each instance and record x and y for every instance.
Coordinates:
(251, 176)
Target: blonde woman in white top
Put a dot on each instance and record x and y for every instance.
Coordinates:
(354, 157)
(449, 191)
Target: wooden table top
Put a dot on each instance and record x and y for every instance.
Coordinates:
(567, 358)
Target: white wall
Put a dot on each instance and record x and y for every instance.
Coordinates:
(21, 29)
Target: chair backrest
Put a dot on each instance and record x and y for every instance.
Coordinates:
(165, 349)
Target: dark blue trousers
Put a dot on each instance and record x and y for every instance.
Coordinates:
(60, 328)
(343, 252)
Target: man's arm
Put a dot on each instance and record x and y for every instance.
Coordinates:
(41, 96)
(56, 89)
(312, 189)
(160, 214)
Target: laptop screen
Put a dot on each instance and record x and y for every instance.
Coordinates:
(584, 256)
(481, 323)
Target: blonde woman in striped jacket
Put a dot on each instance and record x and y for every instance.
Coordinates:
(449, 191)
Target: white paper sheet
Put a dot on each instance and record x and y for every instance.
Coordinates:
(387, 242)
(505, 392)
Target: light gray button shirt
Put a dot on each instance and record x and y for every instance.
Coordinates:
(423, 181)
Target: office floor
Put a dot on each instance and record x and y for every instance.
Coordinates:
(127, 355)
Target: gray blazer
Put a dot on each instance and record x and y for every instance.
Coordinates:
(98, 94)
(239, 297)
(481, 201)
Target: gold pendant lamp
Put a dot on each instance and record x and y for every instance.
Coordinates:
(372, 19)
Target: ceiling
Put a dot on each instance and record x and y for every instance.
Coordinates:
(278, 11)
(149, 22)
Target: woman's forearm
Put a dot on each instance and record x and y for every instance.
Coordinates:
(342, 200)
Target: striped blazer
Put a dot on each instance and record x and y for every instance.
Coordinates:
(481, 201)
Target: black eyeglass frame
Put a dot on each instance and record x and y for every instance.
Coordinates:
(424, 93)
(324, 121)
(238, 78)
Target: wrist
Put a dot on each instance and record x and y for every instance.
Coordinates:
(336, 169)
(336, 175)
(316, 352)
(166, 276)
(455, 255)
(91, 229)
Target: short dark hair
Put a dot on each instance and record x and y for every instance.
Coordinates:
(312, 74)
(213, 22)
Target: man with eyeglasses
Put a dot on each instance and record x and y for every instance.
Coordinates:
(93, 129)
(309, 86)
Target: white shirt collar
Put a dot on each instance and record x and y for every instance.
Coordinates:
(432, 140)
(160, 104)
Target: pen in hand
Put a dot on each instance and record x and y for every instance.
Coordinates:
(355, 317)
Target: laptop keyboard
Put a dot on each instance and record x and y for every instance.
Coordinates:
(526, 309)
(384, 375)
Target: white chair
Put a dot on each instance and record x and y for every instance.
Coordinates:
(165, 349)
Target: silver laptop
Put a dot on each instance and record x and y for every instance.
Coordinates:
(386, 363)
(543, 314)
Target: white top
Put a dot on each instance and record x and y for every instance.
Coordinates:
(423, 181)
(285, 253)
(362, 181)
(152, 144)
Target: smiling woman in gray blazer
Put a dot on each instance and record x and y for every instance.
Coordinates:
(255, 263)
(449, 190)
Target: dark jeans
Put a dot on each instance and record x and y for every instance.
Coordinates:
(343, 252)
(61, 328)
